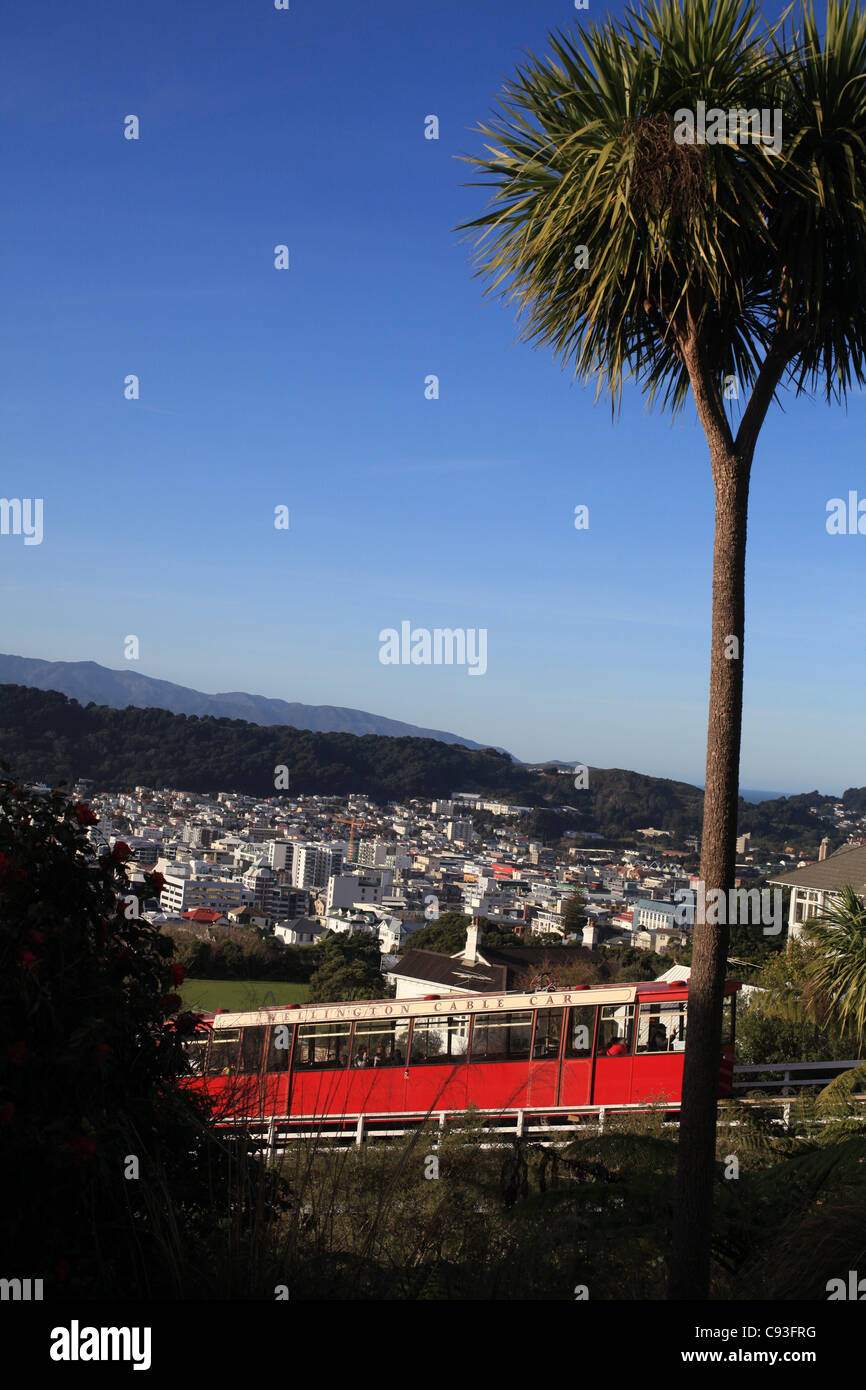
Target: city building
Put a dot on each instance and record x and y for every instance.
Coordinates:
(815, 886)
(314, 864)
(349, 890)
(183, 892)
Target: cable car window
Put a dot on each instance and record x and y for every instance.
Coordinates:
(440, 1040)
(322, 1046)
(615, 1029)
(195, 1052)
(661, 1027)
(502, 1037)
(252, 1045)
(581, 1029)
(548, 1030)
(280, 1047)
(380, 1044)
(224, 1048)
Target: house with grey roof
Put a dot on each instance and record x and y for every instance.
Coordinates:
(814, 886)
(477, 969)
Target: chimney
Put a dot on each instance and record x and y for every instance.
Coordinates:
(824, 849)
(473, 941)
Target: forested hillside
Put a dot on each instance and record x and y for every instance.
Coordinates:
(44, 736)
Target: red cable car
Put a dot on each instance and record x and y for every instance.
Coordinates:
(550, 1051)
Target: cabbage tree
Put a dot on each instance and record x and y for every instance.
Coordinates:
(693, 268)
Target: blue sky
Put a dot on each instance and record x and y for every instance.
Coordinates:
(306, 388)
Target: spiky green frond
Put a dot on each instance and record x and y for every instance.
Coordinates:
(839, 967)
(819, 215)
(735, 242)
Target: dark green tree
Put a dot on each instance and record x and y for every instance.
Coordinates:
(447, 934)
(574, 916)
(349, 969)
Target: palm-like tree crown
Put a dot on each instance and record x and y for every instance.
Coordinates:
(838, 969)
(737, 248)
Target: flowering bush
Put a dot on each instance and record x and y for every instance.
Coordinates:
(88, 1060)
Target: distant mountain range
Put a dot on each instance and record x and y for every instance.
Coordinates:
(87, 681)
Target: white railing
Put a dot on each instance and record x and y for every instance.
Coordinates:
(782, 1076)
(270, 1135)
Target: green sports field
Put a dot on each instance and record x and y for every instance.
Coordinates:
(237, 995)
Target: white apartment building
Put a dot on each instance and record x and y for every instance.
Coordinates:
(313, 865)
(183, 892)
(260, 882)
(345, 890)
(549, 922)
(279, 854)
(373, 854)
(477, 904)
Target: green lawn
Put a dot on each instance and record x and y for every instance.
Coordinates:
(239, 995)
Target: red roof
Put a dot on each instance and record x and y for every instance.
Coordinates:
(202, 914)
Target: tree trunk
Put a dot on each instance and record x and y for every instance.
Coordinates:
(693, 1215)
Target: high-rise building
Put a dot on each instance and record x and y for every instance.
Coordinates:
(313, 865)
(373, 854)
(200, 834)
(280, 854)
(260, 881)
(346, 890)
(459, 830)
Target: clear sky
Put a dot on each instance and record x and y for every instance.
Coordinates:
(305, 388)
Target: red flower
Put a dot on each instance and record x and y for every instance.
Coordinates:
(19, 1054)
(29, 961)
(121, 851)
(187, 1023)
(7, 1113)
(177, 974)
(170, 1003)
(158, 882)
(82, 1149)
(37, 937)
(84, 813)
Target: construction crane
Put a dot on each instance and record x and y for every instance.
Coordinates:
(343, 820)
